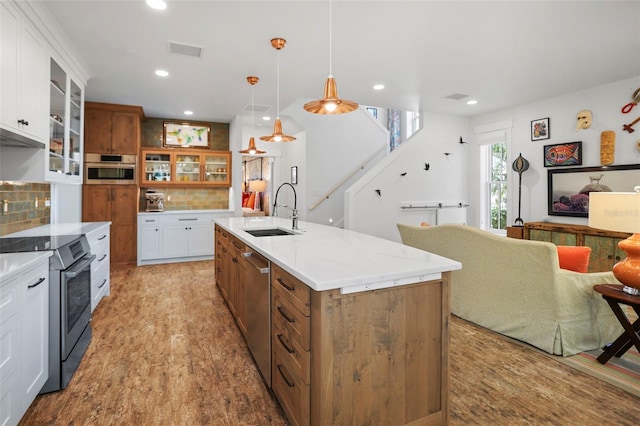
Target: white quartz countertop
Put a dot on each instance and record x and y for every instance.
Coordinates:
(327, 258)
(14, 264)
(173, 212)
(54, 229)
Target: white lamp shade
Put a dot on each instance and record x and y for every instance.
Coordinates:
(257, 185)
(615, 211)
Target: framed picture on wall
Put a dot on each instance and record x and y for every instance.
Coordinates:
(540, 129)
(568, 189)
(564, 154)
(179, 134)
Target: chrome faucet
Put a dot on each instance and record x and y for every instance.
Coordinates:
(294, 210)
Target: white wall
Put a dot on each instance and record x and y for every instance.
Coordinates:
(66, 203)
(445, 181)
(604, 102)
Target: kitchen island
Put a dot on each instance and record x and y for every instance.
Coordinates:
(359, 324)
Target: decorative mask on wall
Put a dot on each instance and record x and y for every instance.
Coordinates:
(584, 120)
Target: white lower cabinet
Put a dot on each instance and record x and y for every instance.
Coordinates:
(24, 340)
(99, 242)
(175, 237)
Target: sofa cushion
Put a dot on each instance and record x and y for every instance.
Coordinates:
(574, 258)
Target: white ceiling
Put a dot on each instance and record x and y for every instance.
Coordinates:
(501, 53)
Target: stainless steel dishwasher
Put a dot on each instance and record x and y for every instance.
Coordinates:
(258, 297)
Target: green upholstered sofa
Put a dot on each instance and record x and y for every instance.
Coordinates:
(516, 288)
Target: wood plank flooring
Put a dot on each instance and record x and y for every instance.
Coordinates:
(165, 351)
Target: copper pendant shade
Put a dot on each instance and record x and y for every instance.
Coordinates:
(330, 102)
(278, 135)
(252, 150)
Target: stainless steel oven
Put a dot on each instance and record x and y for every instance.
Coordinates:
(110, 169)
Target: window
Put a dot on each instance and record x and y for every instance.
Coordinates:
(494, 173)
(497, 182)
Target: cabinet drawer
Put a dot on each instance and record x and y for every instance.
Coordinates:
(285, 315)
(291, 392)
(292, 354)
(102, 258)
(236, 243)
(99, 240)
(298, 293)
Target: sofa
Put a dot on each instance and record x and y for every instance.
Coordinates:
(516, 288)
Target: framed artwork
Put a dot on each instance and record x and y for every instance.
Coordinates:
(568, 189)
(294, 175)
(186, 135)
(540, 129)
(564, 154)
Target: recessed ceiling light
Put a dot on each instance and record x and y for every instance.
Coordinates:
(187, 112)
(162, 73)
(157, 4)
(472, 102)
(266, 118)
(378, 86)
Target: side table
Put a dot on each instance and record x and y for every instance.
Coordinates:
(615, 297)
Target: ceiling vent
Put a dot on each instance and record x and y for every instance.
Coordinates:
(184, 49)
(457, 96)
(257, 108)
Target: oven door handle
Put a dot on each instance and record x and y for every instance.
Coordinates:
(75, 270)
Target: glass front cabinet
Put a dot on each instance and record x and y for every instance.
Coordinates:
(65, 127)
(186, 167)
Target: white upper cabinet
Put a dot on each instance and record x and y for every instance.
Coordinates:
(42, 83)
(23, 77)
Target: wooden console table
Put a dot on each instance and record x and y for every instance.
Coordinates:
(604, 244)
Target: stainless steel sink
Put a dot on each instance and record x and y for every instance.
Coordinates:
(271, 232)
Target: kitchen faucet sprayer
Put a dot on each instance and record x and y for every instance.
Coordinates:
(294, 210)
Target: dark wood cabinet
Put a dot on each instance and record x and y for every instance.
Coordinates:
(112, 128)
(117, 204)
(604, 244)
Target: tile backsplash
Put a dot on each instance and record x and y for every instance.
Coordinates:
(190, 199)
(23, 205)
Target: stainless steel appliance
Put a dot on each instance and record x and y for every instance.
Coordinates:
(69, 300)
(258, 296)
(155, 201)
(110, 169)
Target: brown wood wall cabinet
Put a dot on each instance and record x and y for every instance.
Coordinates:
(119, 205)
(185, 167)
(112, 128)
(374, 357)
(604, 244)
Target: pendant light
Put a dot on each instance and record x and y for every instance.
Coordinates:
(330, 102)
(252, 150)
(278, 136)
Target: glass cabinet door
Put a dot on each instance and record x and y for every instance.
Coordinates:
(216, 168)
(188, 168)
(58, 89)
(75, 118)
(157, 167)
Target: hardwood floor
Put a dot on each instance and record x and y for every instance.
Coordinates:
(165, 351)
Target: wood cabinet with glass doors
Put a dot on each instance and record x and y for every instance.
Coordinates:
(185, 167)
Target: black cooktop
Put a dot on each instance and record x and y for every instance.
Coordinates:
(24, 244)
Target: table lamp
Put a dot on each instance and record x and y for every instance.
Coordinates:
(620, 211)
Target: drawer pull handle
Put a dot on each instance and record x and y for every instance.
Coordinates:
(104, 256)
(283, 343)
(283, 284)
(286, 380)
(103, 283)
(102, 238)
(40, 281)
(184, 219)
(286, 316)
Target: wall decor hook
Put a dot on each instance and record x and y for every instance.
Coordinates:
(426, 166)
(379, 192)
